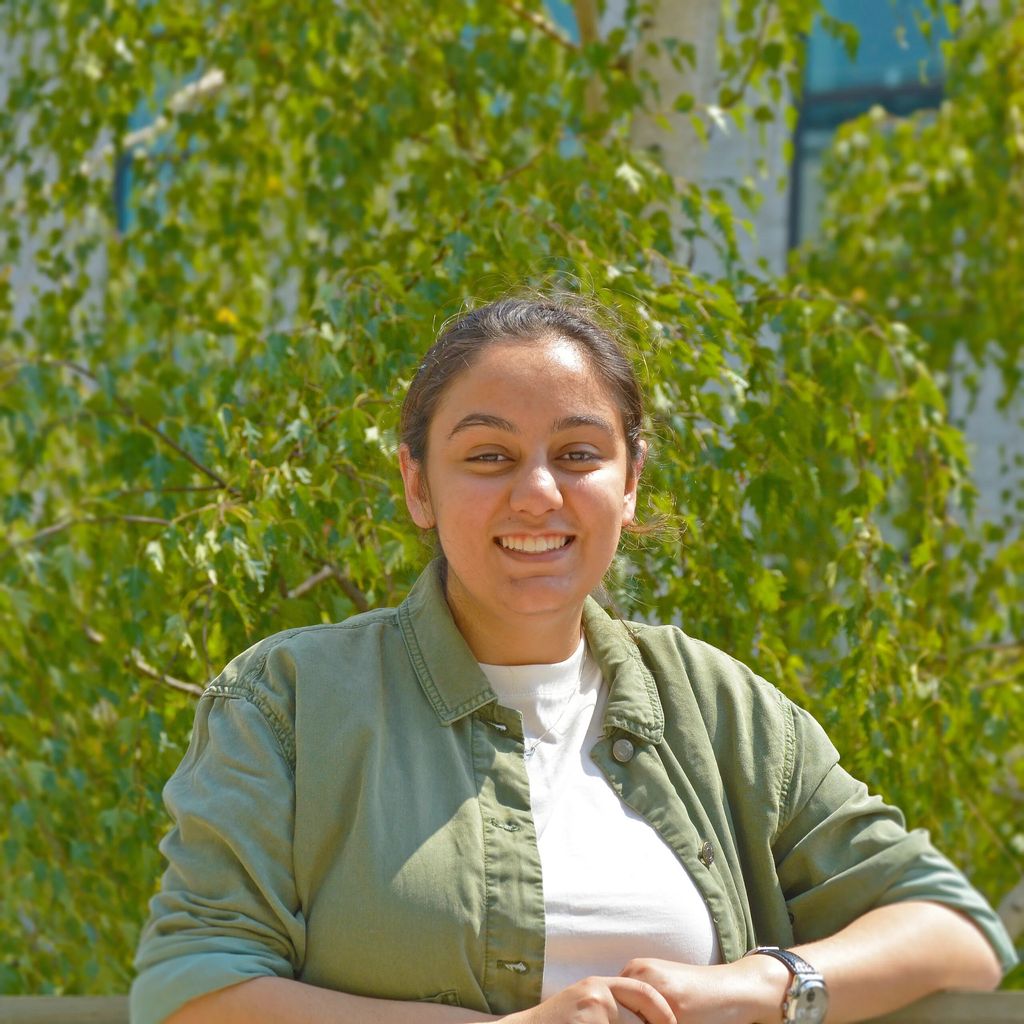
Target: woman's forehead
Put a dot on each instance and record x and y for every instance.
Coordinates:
(552, 377)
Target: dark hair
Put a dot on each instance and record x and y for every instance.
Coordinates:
(525, 319)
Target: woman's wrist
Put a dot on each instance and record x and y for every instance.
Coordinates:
(765, 982)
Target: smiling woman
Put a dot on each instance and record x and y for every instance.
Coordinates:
(497, 802)
(527, 476)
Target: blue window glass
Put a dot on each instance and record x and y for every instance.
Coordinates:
(562, 14)
(897, 66)
(893, 50)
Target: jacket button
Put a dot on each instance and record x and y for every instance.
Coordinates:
(706, 855)
(622, 751)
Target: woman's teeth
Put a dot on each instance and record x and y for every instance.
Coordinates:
(533, 544)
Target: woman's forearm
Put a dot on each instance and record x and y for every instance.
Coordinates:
(889, 957)
(896, 954)
(279, 1001)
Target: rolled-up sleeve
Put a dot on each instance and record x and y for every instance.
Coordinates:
(841, 851)
(227, 910)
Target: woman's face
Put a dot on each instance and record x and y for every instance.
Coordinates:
(528, 482)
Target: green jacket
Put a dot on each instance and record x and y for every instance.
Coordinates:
(353, 811)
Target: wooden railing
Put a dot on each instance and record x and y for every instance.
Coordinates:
(945, 1008)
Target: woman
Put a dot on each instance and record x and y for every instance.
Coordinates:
(496, 802)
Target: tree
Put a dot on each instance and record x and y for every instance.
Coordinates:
(924, 214)
(199, 397)
(922, 224)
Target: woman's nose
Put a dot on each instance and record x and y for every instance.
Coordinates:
(535, 490)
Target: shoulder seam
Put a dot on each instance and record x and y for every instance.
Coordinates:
(789, 755)
(246, 690)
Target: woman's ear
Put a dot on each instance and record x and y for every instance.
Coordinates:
(633, 484)
(417, 498)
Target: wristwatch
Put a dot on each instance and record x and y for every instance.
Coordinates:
(806, 1000)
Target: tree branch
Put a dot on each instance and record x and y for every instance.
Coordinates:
(139, 663)
(539, 22)
(352, 592)
(588, 23)
(127, 491)
(993, 648)
(184, 454)
(186, 98)
(310, 582)
(56, 528)
(144, 667)
(84, 371)
(767, 10)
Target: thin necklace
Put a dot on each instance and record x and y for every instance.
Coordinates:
(529, 751)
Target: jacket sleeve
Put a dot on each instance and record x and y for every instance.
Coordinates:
(227, 910)
(840, 851)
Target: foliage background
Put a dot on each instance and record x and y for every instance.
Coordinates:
(198, 391)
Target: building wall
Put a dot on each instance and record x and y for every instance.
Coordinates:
(994, 434)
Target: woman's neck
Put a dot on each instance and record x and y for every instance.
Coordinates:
(521, 640)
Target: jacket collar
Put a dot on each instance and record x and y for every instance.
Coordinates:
(455, 685)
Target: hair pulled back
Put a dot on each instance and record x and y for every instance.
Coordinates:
(512, 319)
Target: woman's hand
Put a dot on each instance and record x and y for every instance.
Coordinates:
(600, 1001)
(737, 993)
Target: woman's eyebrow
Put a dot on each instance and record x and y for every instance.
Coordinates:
(570, 422)
(483, 419)
(486, 419)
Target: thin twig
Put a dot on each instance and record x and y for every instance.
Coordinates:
(539, 22)
(1015, 645)
(146, 669)
(162, 490)
(352, 592)
(126, 408)
(588, 23)
(519, 168)
(181, 451)
(766, 16)
(135, 658)
(220, 506)
(457, 224)
(49, 531)
(299, 590)
(1012, 645)
(187, 97)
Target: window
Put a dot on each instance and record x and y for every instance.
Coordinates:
(897, 66)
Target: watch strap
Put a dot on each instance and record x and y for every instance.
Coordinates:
(796, 964)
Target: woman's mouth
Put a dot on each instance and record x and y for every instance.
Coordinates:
(534, 545)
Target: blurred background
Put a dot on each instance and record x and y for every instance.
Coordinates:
(227, 233)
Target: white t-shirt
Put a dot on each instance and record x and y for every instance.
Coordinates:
(613, 890)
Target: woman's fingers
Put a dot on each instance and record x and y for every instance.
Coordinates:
(642, 999)
(601, 1001)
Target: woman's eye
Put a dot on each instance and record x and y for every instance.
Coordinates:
(487, 457)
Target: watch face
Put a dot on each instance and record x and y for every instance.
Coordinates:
(810, 1002)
